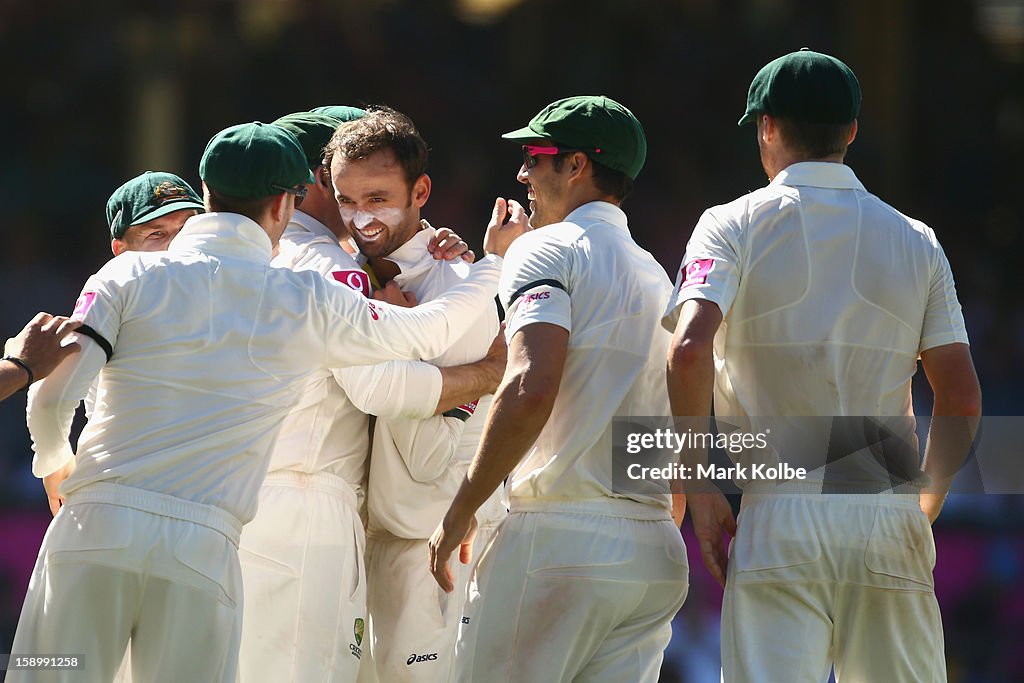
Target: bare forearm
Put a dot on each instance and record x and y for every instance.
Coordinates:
(691, 380)
(950, 436)
(512, 427)
(12, 378)
(463, 384)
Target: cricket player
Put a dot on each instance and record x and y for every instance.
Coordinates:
(149, 210)
(193, 386)
(143, 214)
(35, 352)
(580, 582)
(378, 165)
(308, 531)
(811, 296)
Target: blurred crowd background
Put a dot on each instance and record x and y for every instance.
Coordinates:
(97, 92)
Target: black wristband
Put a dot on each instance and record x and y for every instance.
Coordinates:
(24, 366)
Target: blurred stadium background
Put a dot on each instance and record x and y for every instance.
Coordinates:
(96, 92)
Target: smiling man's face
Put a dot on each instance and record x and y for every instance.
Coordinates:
(376, 202)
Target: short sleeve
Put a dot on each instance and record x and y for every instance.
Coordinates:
(100, 307)
(536, 281)
(710, 269)
(943, 318)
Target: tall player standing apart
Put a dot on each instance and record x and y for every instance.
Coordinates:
(378, 165)
(580, 582)
(828, 296)
(193, 386)
(302, 554)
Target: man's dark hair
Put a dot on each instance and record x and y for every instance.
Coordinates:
(608, 181)
(250, 208)
(814, 140)
(382, 128)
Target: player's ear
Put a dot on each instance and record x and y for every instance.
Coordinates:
(576, 163)
(118, 246)
(853, 132)
(421, 191)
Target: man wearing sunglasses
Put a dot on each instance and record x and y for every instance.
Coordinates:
(308, 529)
(200, 352)
(581, 581)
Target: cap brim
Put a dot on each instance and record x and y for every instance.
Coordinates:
(166, 209)
(525, 133)
(746, 118)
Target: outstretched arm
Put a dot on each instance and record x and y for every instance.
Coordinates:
(35, 352)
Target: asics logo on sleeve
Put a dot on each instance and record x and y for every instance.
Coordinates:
(416, 659)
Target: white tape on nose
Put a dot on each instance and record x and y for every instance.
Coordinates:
(362, 219)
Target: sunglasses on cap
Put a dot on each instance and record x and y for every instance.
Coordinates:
(531, 152)
(299, 192)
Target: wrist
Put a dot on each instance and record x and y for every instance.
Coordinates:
(17, 362)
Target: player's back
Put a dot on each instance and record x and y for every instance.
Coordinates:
(615, 362)
(211, 348)
(830, 311)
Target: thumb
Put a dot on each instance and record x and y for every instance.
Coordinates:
(499, 211)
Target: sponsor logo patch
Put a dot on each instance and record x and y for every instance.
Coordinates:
(416, 659)
(358, 280)
(83, 305)
(538, 296)
(696, 272)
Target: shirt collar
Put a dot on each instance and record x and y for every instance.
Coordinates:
(224, 234)
(598, 211)
(306, 223)
(410, 257)
(819, 174)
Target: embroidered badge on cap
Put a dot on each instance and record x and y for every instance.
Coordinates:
(696, 272)
(166, 191)
(358, 280)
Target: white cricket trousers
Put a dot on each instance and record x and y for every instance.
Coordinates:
(120, 563)
(569, 592)
(413, 623)
(844, 579)
(304, 583)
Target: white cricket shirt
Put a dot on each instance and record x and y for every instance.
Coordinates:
(588, 276)
(326, 432)
(828, 295)
(210, 348)
(417, 465)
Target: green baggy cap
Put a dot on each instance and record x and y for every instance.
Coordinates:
(147, 197)
(597, 125)
(340, 111)
(804, 86)
(313, 131)
(253, 160)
